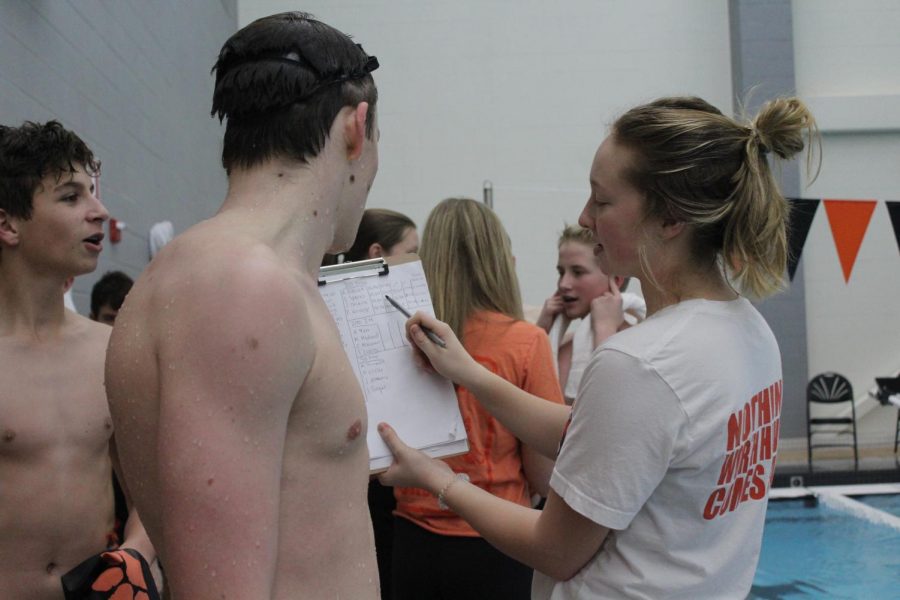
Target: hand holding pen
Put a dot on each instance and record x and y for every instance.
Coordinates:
(431, 335)
(437, 348)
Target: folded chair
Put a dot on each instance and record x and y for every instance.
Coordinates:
(830, 389)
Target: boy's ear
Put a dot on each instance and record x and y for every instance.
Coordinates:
(376, 251)
(355, 130)
(619, 280)
(9, 229)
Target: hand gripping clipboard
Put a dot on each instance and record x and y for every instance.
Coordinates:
(422, 407)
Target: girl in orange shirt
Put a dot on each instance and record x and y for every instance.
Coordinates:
(468, 262)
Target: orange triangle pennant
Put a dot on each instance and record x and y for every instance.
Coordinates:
(849, 220)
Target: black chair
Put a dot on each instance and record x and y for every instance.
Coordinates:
(832, 389)
(897, 431)
(887, 387)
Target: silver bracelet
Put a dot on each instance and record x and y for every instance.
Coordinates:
(443, 493)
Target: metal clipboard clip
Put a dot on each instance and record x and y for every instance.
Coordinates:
(353, 270)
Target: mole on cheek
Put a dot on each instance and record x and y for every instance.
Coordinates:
(9, 435)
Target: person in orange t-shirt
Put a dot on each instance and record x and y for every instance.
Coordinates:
(468, 262)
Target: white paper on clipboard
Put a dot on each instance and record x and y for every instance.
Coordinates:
(421, 406)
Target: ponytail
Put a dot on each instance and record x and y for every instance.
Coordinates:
(755, 246)
(698, 166)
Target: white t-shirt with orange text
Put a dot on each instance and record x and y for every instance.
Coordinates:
(672, 445)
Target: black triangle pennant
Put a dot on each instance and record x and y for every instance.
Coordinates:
(893, 207)
(802, 212)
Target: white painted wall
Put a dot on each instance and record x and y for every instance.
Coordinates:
(847, 62)
(519, 92)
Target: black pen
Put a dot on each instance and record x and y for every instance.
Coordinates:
(431, 335)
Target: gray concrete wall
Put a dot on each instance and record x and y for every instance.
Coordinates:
(762, 55)
(132, 78)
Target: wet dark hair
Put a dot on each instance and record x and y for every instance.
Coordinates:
(30, 153)
(280, 83)
(379, 226)
(110, 290)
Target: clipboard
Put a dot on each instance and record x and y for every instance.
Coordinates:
(422, 407)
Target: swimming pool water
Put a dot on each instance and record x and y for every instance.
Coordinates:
(824, 552)
(889, 503)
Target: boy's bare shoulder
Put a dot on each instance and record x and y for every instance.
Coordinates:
(240, 270)
(210, 286)
(235, 308)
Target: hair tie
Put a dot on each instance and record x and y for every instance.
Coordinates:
(757, 137)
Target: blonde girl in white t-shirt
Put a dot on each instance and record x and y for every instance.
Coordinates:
(660, 484)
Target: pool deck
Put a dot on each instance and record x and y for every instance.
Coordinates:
(835, 467)
(844, 490)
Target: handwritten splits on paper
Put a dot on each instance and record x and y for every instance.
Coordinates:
(422, 406)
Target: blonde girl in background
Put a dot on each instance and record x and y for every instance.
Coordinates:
(468, 262)
(587, 307)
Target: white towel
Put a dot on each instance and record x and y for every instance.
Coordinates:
(160, 234)
(581, 332)
(635, 308)
(68, 302)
